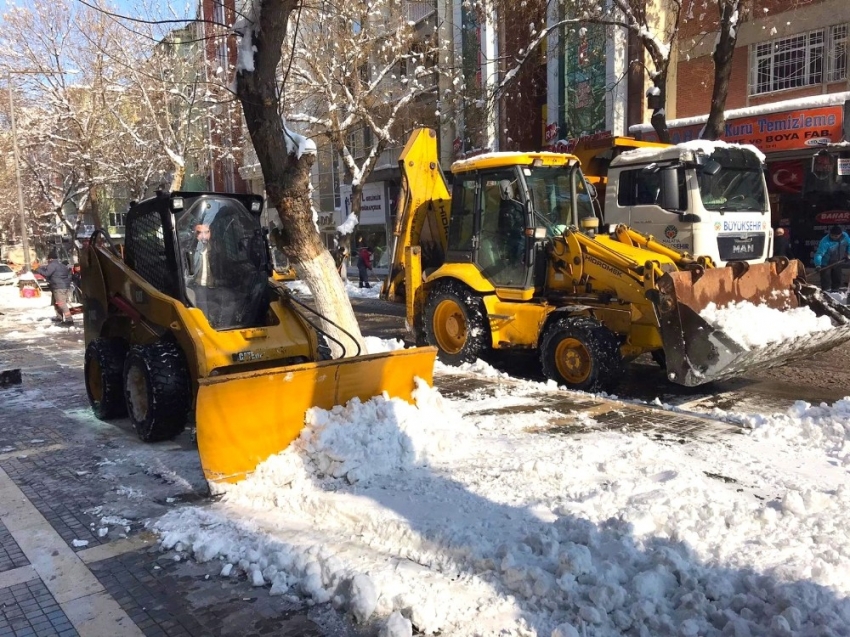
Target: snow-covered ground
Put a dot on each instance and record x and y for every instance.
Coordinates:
(461, 517)
(436, 517)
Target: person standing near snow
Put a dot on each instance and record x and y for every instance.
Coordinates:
(364, 265)
(59, 279)
(832, 250)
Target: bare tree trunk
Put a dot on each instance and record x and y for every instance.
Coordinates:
(177, 177)
(722, 56)
(659, 114)
(287, 177)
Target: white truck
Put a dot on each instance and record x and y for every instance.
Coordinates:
(705, 198)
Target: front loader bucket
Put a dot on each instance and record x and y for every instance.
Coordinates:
(244, 418)
(697, 352)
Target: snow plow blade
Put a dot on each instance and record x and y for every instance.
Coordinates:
(698, 352)
(244, 418)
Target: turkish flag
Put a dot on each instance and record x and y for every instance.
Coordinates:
(786, 176)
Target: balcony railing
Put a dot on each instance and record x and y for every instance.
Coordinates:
(418, 11)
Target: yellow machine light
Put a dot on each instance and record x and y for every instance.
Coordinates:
(537, 162)
(255, 206)
(537, 233)
(177, 203)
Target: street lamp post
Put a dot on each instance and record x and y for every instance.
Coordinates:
(24, 234)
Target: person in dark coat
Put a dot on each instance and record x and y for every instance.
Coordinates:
(832, 250)
(58, 278)
(364, 265)
(782, 244)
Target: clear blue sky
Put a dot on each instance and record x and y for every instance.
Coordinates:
(125, 7)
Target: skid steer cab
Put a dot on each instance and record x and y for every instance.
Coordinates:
(514, 259)
(190, 325)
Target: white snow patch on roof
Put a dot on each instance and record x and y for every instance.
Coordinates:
(815, 101)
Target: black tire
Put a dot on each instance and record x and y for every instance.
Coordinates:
(581, 353)
(104, 377)
(455, 323)
(156, 390)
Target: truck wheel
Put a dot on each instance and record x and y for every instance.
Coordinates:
(156, 389)
(581, 353)
(455, 324)
(104, 375)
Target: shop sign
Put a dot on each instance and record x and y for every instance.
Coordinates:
(788, 130)
(373, 204)
(843, 166)
(833, 217)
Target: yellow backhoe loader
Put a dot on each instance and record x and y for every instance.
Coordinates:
(190, 320)
(513, 259)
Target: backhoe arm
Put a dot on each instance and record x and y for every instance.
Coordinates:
(422, 223)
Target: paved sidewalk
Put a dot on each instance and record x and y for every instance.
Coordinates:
(75, 558)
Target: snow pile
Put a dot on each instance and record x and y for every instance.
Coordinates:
(454, 517)
(806, 426)
(10, 298)
(760, 325)
(353, 443)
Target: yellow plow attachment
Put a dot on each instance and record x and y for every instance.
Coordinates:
(697, 352)
(244, 418)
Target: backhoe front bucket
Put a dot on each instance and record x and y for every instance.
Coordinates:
(697, 352)
(244, 418)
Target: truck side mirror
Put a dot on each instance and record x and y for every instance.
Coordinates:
(670, 189)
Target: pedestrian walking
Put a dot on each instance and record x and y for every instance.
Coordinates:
(58, 278)
(364, 265)
(832, 250)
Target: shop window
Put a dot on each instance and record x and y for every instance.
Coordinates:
(801, 60)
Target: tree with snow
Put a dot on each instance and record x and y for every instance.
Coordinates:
(719, 19)
(61, 109)
(360, 76)
(286, 158)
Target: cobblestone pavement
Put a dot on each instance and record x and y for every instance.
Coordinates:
(74, 493)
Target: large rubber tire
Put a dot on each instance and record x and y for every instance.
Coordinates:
(455, 323)
(581, 353)
(156, 390)
(104, 377)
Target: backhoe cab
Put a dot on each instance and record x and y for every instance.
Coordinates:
(513, 259)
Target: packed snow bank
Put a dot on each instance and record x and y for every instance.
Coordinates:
(806, 426)
(760, 325)
(455, 516)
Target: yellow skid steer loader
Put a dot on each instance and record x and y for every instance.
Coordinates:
(514, 258)
(190, 320)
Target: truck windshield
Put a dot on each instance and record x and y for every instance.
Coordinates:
(737, 186)
(551, 196)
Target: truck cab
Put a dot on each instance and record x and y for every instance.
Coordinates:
(704, 198)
